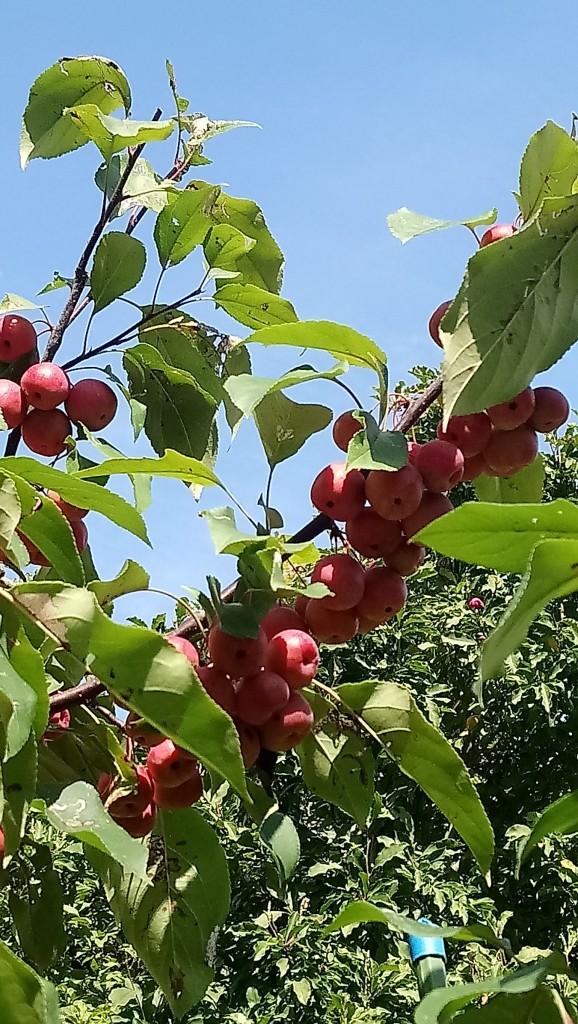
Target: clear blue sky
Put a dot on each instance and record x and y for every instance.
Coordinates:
(365, 107)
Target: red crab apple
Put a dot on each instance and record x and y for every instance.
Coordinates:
(80, 533)
(441, 465)
(344, 428)
(34, 553)
(330, 626)
(475, 604)
(385, 594)
(13, 404)
(2, 844)
(92, 403)
(344, 577)
(249, 742)
(17, 337)
(469, 433)
(185, 647)
(435, 320)
(219, 686)
(185, 795)
(45, 432)
(142, 732)
(551, 410)
(496, 233)
(141, 825)
(338, 492)
(168, 765)
(72, 512)
(45, 385)
(282, 617)
(294, 656)
(395, 495)
(60, 719)
(508, 451)
(237, 656)
(432, 506)
(474, 467)
(131, 805)
(371, 535)
(288, 726)
(406, 558)
(260, 695)
(509, 415)
(300, 606)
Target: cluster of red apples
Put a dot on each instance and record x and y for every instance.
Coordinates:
(33, 403)
(257, 681)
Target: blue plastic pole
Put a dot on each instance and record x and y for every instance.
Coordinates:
(428, 956)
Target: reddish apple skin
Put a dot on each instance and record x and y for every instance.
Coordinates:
(185, 795)
(185, 647)
(45, 385)
(17, 337)
(294, 656)
(345, 578)
(92, 403)
(170, 766)
(12, 403)
(237, 656)
(45, 432)
(289, 726)
(329, 626)
(496, 233)
(338, 492)
(260, 696)
(435, 320)
(344, 428)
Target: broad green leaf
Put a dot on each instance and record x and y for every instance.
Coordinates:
(339, 341)
(119, 263)
(23, 699)
(262, 265)
(284, 426)
(38, 918)
(549, 168)
(225, 248)
(48, 130)
(50, 531)
(527, 485)
(302, 990)
(372, 448)
(541, 1006)
(10, 511)
(247, 391)
(552, 573)
(113, 134)
(172, 922)
(440, 1005)
(514, 315)
(131, 578)
(144, 187)
(185, 345)
(423, 753)
(79, 812)
(179, 413)
(12, 303)
(405, 224)
(78, 491)
(183, 223)
(279, 835)
(254, 307)
(500, 537)
(560, 819)
(227, 539)
(25, 998)
(28, 663)
(19, 778)
(82, 752)
(172, 465)
(141, 669)
(362, 912)
(340, 769)
(237, 363)
(141, 484)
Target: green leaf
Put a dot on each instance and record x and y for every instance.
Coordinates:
(80, 813)
(172, 922)
(19, 777)
(113, 134)
(540, 1006)
(38, 918)
(225, 248)
(247, 391)
(172, 465)
(440, 1005)
(560, 819)
(500, 537)
(340, 769)
(423, 753)
(143, 187)
(302, 990)
(279, 835)
(183, 223)
(527, 485)
(262, 265)
(10, 511)
(514, 315)
(254, 307)
(552, 573)
(28, 663)
(57, 282)
(51, 532)
(48, 130)
(362, 912)
(131, 578)
(549, 168)
(119, 263)
(228, 540)
(25, 998)
(372, 448)
(141, 669)
(11, 303)
(341, 342)
(237, 363)
(405, 224)
(23, 699)
(284, 426)
(78, 491)
(201, 128)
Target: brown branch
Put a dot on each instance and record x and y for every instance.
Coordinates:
(81, 694)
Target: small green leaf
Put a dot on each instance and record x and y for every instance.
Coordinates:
(340, 769)
(361, 912)
(279, 835)
(28, 663)
(11, 303)
(527, 485)
(131, 578)
(80, 813)
(225, 248)
(559, 818)
(549, 168)
(143, 186)
(23, 699)
(113, 134)
(405, 224)
(262, 265)
(57, 282)
(254, 307)
(25, 998)
(183, 223)
(341, 342)
(247, 391)
(10, 512)
(48, 129)
(373, 448)
(172, 465)
(119, 263)
(284, 426)
(228, 540)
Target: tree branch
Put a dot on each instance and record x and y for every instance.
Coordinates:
(81, 694)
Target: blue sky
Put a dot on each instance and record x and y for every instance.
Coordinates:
(365, 107)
